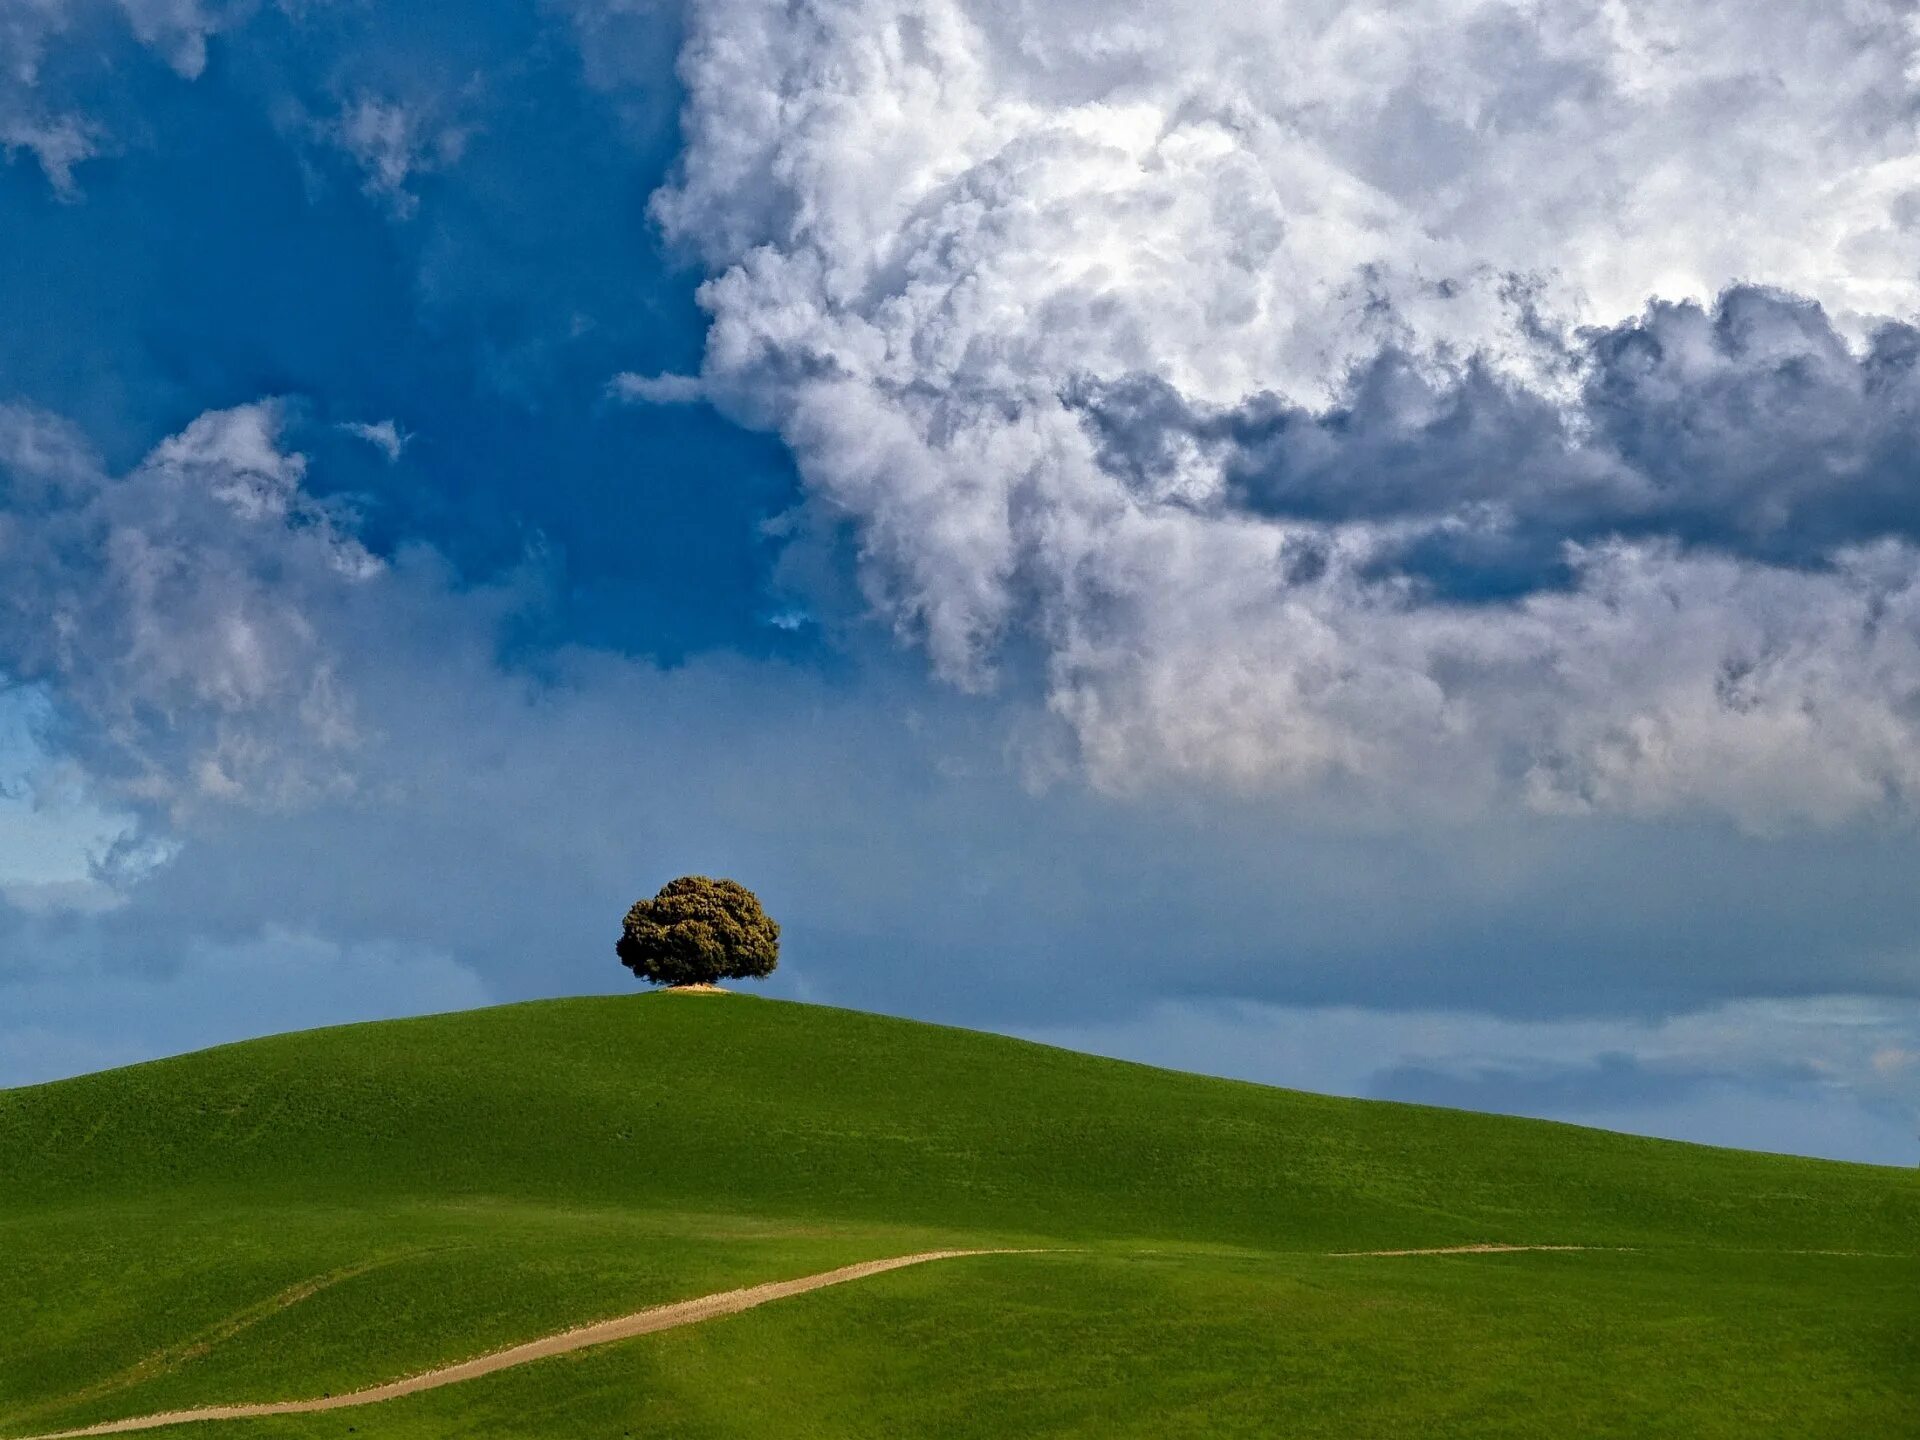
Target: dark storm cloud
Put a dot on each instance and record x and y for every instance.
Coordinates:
(1749, 429)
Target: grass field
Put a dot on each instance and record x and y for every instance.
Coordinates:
(318, 1212)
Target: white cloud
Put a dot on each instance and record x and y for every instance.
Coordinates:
(57, 142)
(394, 142)
(385, 436)
(60, 138)
(659, 389)
(927, 220)
(180, 614)
(178, 29)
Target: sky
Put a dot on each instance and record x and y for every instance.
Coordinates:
(1365, 546)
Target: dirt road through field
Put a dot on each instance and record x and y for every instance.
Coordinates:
(644, 1322)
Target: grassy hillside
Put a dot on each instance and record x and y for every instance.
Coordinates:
(318, 1211)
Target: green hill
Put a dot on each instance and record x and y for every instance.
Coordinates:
(317, 1212)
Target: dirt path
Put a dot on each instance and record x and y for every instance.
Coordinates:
(644, 1322)
(1456, 1250)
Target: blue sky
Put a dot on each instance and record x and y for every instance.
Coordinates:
(1370, 547)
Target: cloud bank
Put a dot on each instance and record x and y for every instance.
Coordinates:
(1285, 383)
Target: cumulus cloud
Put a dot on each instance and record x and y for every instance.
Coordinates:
(1749, 428)
(176, 612)
(1284, 378)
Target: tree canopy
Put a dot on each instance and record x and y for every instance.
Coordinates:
(697, 931)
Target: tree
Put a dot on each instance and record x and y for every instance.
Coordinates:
(697, 931)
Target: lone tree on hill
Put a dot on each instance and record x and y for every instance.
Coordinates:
(697, 931)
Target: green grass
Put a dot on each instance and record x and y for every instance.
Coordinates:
(321, 1211)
